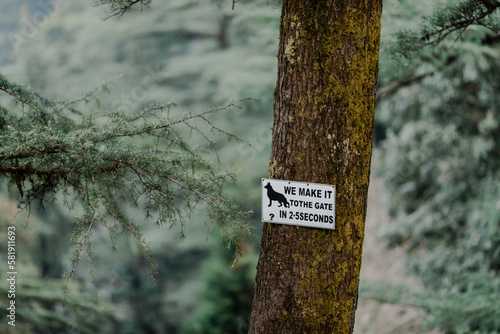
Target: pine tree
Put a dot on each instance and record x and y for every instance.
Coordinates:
(441, 163)
(307, 279)
(59, 147)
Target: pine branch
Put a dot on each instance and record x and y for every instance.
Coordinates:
(393, 88)
(445, 21)
(94, 161)
(23, 95)
(120, 7)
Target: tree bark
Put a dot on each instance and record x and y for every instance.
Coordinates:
(307, 279)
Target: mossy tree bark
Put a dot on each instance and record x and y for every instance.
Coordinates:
(307, 279)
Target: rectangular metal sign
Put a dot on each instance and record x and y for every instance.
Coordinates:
(298, 203)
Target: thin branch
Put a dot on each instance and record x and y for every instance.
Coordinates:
(445, 21)
(393, 88)
(57, 148)
(118, 8)
(32, 171)
(21, 94)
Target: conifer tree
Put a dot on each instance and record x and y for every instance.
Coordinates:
(307, 279)
(50, 147)
(441, 163)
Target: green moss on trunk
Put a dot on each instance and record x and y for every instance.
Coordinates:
(307, 279)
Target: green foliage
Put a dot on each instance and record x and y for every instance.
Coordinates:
(441, 161)
(451, 310)
(44, 150)
(119, 7)
(38, 297)
(448, 22)
(39, 309)
(226, 298)
(202, 53)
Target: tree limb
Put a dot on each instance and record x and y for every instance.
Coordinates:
(57, 148)
(452, 18)
(396, 86)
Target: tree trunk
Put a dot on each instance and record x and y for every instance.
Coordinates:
(307, 279)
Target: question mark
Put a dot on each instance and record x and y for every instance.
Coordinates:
(272, 216)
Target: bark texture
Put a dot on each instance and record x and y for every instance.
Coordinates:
(307, 279)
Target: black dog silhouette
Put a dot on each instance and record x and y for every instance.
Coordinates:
(275, 196)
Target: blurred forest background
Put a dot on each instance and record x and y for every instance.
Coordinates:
(435, 192)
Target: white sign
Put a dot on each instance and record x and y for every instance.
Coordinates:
(298, 203)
